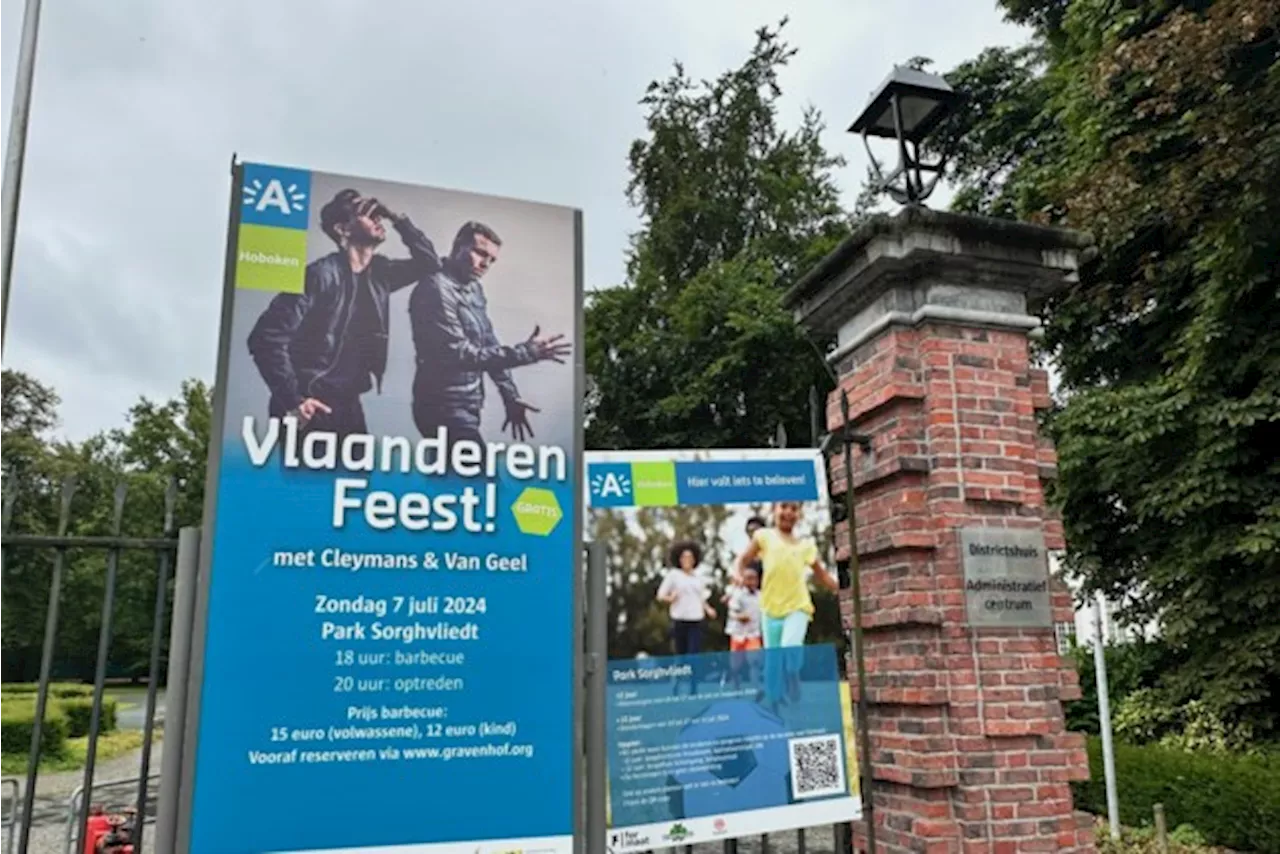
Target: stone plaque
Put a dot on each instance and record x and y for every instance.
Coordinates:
(1006, 578)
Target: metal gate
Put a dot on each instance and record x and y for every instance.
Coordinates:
(20, 815)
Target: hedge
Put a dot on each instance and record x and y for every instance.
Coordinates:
(79, 711)
(1232, 800)
(68, 715)
(17, 719)
(56, 689)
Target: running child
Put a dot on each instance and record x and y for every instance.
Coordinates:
(685, 592)
(785, 603)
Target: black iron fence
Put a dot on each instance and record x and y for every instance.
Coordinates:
(20, 814)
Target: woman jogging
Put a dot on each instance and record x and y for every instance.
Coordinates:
(785, 603)
(686, 594)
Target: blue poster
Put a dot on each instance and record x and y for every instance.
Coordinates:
(389, 655)
(727, 711)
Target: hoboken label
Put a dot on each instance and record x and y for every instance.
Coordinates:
(1006, 578)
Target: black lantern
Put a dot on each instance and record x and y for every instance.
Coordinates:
(907, 106)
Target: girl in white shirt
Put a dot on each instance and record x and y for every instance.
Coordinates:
(685, 592)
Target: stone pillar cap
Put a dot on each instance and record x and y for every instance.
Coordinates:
(921, 260)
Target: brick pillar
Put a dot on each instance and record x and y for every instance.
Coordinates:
(932, 313)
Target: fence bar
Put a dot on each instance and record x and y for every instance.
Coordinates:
(104, 650)
(62, 541)
(597, 651)
(153, 669)
(11, 817)
(185, 578)
(46, 667)
(800, 846)
(863, 721)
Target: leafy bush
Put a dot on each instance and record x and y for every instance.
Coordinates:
(1132, 667)
(79, 711)
(1230, 799)
(1145, 716)
(17, 720)
(1183, 839)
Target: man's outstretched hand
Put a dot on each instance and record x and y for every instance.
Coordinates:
(553, 349)
(518, 419)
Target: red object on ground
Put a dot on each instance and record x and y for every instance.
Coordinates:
(96, 827)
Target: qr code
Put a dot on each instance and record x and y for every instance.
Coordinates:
(817, 768)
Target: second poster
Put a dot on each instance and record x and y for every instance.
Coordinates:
(727, 712)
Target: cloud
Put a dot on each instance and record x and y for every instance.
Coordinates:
(139, 105)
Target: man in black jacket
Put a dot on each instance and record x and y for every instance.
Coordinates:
(320, 350)
(456, 345)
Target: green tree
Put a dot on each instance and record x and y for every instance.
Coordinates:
(29, 416)
(1156, 127)
(695, 349)
(162, 441)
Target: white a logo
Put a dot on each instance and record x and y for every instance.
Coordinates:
(613, 486)
(274, 195)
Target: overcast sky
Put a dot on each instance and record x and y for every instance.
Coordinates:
(139, 105)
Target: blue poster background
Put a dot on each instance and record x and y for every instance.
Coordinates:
(266, 666)
(721, 750)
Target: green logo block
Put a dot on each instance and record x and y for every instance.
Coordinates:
(654, 484)
(537, 512)
(271, 259)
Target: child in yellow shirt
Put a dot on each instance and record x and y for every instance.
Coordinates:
(785, 604)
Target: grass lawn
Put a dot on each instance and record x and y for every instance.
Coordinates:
(110, 745)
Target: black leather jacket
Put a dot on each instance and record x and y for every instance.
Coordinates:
(297, 339)
(456, 346)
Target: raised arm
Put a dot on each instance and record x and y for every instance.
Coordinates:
(745, 559)
(423, 259)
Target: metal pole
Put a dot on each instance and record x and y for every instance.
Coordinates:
(46, 668)
(100, 671)
(16, 151)
(597, 654)
(816, 420)
(185, 579)
(1162, 829)
(153, 669)
(1104, 719)
(855, 585)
